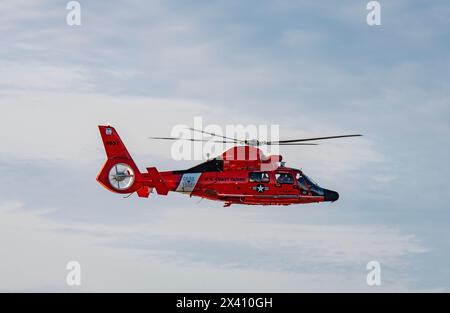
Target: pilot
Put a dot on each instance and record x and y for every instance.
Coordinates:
(285, 178)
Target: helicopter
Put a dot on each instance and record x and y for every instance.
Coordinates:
(240, 175)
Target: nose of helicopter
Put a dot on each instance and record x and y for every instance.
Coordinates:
(330, 195)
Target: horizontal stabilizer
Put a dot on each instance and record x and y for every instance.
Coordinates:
(157, 181)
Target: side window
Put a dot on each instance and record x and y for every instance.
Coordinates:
(258, 177)
(284, 178)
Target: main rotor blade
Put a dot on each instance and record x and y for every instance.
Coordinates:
(215, 135)
(190, 139)
(310, 139)
(293, 144)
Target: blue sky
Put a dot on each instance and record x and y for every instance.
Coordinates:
(314, 68)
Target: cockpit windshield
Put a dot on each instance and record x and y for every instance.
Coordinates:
(305, 182)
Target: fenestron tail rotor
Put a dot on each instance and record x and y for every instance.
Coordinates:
(121, 176)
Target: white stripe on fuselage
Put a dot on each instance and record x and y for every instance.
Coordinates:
(188, 182)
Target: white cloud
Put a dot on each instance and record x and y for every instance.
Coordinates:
(196, 249)
(53, 115)
(38, 76)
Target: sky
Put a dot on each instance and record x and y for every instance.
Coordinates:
(314, 68)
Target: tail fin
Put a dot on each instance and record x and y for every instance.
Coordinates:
(119, 174)
(114, 146)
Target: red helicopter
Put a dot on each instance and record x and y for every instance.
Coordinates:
(240, 175)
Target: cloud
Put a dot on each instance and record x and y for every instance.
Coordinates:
(314, 68)
(300, 38)
(61, 109)
(38, 76)
(183, 250)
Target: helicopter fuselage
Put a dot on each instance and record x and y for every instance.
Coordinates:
(240, 175)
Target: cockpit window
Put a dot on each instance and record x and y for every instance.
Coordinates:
(304, 182)
(258, 177)
(284, 178)
(301, 180)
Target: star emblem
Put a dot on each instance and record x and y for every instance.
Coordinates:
(260, 188)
